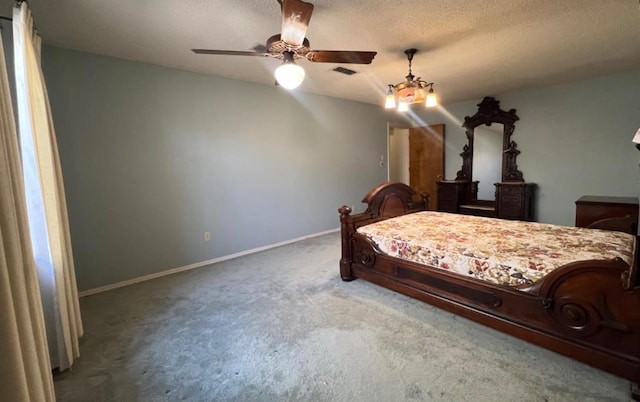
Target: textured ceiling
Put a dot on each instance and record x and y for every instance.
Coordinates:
(468, 48)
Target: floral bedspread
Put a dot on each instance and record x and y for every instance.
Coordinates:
(500, 251)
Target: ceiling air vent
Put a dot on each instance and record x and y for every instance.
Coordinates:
(344, 70)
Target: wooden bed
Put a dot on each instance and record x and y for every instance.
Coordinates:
(586, 310)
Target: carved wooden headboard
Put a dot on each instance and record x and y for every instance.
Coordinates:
(391, 199)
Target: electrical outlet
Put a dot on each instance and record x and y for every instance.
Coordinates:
(207, 236)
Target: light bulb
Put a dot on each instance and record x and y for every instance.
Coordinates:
(390, 102)
(289, 75)
(432, 99)
(403, 106)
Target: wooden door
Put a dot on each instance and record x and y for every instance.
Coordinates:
(426, 160)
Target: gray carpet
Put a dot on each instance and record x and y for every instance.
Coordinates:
(280, 325)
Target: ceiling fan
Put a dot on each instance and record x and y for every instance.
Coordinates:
(291, 45)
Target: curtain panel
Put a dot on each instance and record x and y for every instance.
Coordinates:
(46, 203)
(25, 371)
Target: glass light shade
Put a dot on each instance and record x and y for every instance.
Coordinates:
(403, 106)
(289, 75)
(432, 99)
(390, 102)
(406, 95)
(419, 95)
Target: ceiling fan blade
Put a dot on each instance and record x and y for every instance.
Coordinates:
(296, 15)
(229, 52)
(341, 56)
(260, 48)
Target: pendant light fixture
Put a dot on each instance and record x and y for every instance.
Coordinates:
(413, 90)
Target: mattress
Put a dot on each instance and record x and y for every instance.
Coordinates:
(504, 252)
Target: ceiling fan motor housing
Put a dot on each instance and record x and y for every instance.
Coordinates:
(276, 46)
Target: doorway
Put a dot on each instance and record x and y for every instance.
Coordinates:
(416, 158)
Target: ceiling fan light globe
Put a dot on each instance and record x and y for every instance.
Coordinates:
(403, 107)
(289, 75)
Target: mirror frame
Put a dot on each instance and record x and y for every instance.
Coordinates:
(489, 112)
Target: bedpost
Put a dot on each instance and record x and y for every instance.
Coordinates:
(631, 278)
(346, 227)
(425, 200)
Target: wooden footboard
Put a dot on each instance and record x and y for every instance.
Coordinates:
(588, 310)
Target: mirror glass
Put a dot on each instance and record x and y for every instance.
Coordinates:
(487, 159)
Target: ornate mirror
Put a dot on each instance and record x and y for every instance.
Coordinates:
(486, 165)
(490, 155)
(489, 182)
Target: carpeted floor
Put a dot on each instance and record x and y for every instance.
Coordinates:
(280, 325)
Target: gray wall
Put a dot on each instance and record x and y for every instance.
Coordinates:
(153, 157)
(575, 140)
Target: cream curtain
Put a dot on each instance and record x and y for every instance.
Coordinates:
(25, 371)
(46, 203)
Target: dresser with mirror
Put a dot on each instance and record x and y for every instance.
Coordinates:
(489, 182)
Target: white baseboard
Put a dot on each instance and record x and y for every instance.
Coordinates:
(197, 265)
